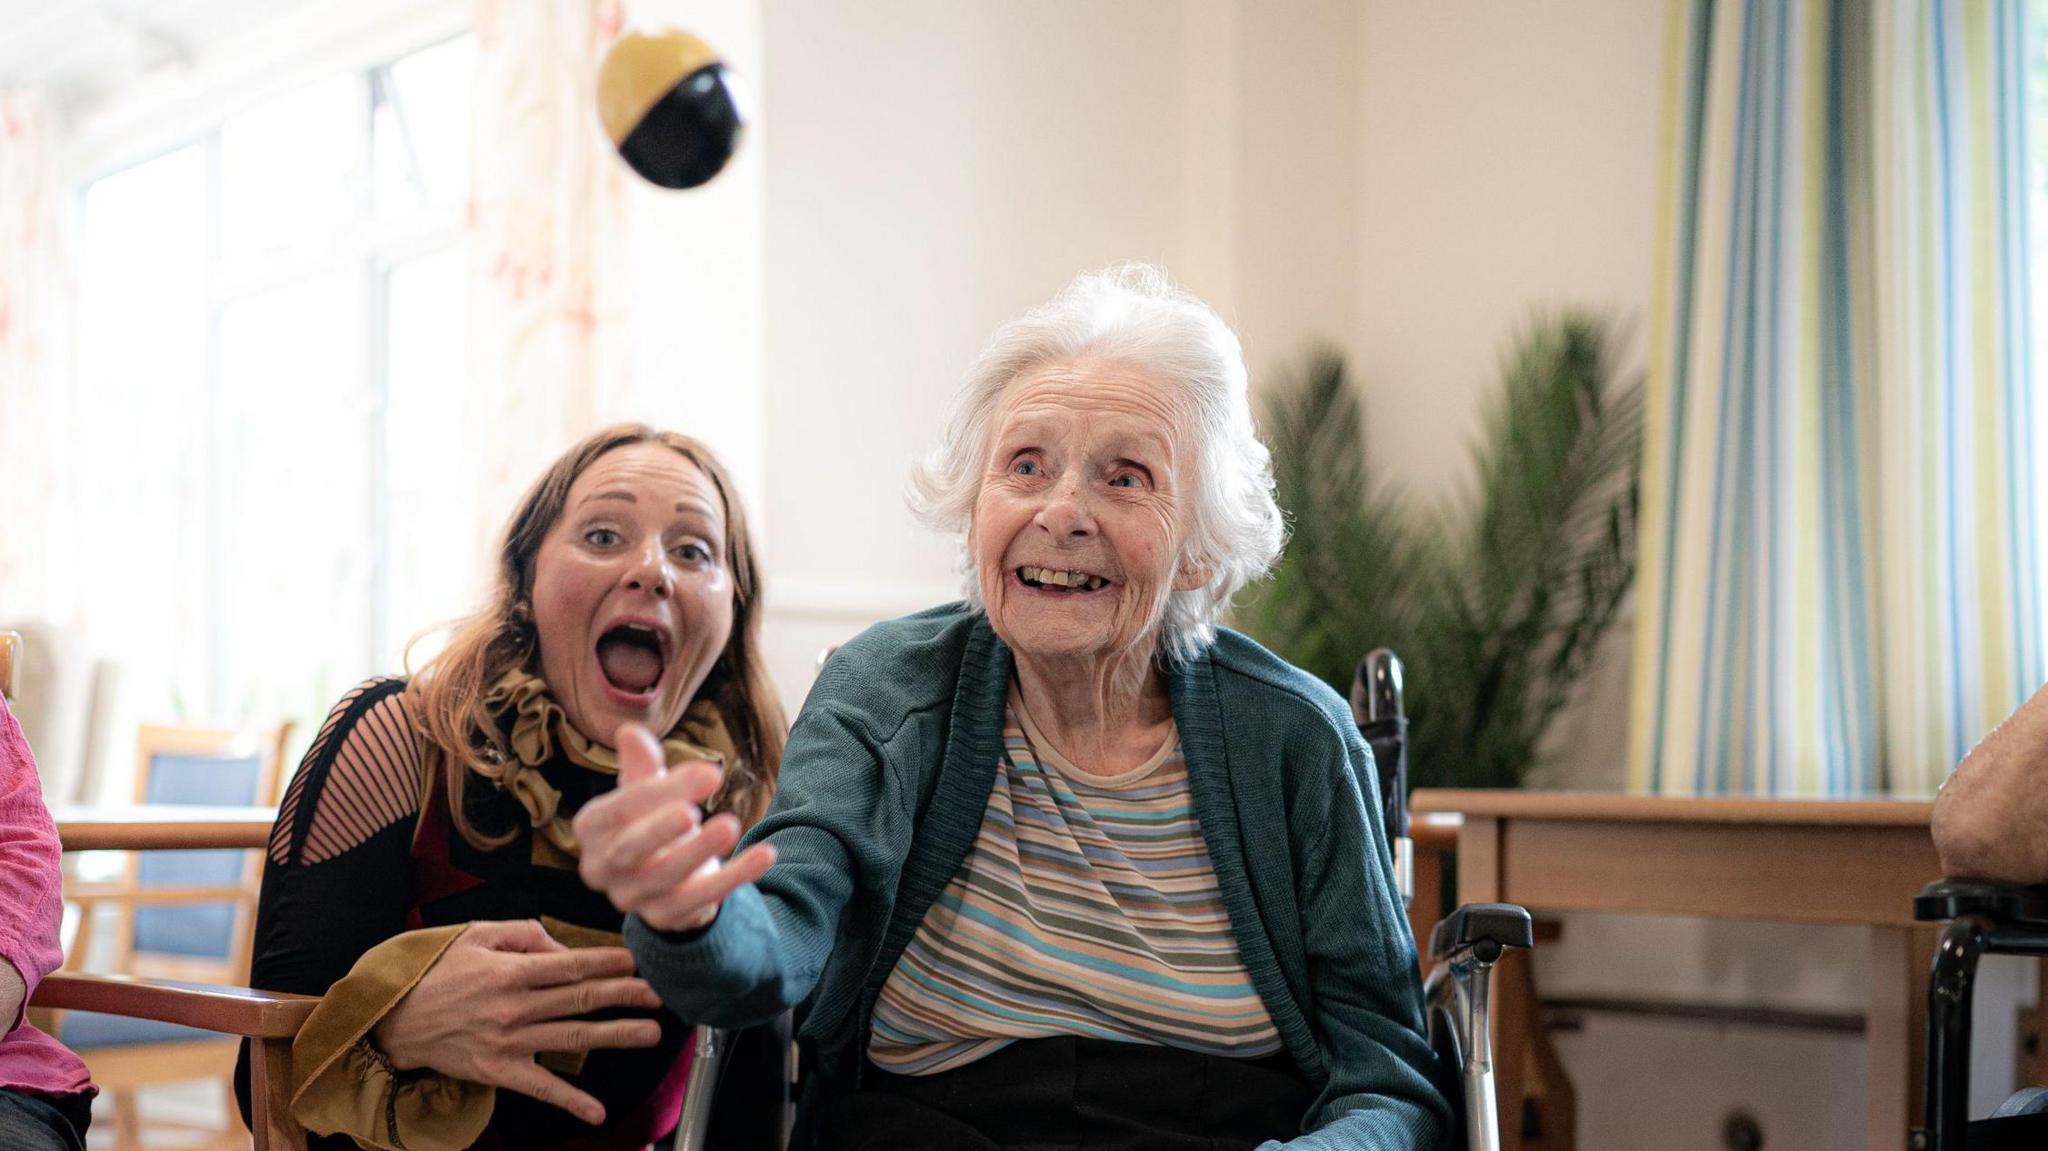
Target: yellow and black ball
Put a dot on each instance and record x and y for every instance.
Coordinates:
(669, 106)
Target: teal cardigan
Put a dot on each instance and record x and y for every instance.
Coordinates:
(888, 772)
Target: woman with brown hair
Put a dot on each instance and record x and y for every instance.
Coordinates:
(422, 876)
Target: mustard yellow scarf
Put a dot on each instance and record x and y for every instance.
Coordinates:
(539, 726)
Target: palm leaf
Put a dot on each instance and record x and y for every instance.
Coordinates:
(1348, 568)
(1497, 602)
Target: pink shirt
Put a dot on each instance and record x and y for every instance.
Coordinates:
(31, 906)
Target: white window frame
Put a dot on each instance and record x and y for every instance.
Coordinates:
(168, 114)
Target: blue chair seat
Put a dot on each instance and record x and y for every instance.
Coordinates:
(90, 1030)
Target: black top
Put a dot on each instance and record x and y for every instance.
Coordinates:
(354, 860)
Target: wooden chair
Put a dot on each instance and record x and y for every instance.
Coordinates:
(65, 702)
(191, 914)
(178, 916)
(269, 1020)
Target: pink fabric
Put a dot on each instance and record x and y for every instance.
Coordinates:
(31, 906)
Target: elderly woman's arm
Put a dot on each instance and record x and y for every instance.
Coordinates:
(1991, 819)
(838, 828)
(1366, 987)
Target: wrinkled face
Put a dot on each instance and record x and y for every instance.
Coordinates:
(1078, 528)
(632, 595)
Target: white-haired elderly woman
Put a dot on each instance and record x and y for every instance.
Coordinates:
(1065, 864)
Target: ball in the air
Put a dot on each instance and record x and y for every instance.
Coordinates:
(669, 106)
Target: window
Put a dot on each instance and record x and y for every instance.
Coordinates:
(272, 351)
(2036, 49)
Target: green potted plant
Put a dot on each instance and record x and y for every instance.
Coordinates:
(1496, 601)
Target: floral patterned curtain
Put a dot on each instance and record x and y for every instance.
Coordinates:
(30, 291)
(550, 354)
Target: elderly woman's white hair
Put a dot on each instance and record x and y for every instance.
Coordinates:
(1131, 314)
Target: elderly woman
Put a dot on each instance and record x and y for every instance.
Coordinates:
(422, 875)
(1062, 865)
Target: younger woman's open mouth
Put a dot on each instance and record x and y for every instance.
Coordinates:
(632, 659)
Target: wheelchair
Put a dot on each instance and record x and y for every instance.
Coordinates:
(728, 1105)
(1983, 919)
(1463, 948)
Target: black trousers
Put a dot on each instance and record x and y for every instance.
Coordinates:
(1071, 1094)
(42, 1122)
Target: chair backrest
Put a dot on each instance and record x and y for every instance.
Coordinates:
(10, 648)
(64, 696)
(211, 768)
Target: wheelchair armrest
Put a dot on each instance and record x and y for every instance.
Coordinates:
(2020, 907)
(1486, 928)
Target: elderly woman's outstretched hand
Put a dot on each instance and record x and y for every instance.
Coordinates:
(648, 847)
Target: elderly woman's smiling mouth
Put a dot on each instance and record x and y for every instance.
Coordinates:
(1063, 583)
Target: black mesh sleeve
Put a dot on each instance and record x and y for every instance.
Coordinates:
(338, 879)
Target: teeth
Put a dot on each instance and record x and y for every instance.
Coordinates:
(653, 636)
(1062, 578)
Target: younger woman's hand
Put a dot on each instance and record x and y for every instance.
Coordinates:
(503, 992)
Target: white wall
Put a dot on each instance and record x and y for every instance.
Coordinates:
(1406, 182)
(698, 268)
(1509, 164)
(936, 168)
(1508, 167)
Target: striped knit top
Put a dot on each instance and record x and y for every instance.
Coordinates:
(1088, 906)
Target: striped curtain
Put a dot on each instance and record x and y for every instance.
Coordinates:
(1840, 569)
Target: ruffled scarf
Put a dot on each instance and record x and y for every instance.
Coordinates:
(540, 727)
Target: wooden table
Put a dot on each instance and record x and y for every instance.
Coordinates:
(1435, 837)
(150, 827)
(1857, 862)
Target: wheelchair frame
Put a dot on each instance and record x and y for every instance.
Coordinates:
(1983, 919)
(1463, 948)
